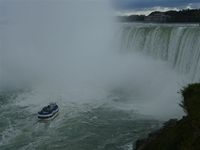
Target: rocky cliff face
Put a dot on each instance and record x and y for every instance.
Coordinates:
(181, 134)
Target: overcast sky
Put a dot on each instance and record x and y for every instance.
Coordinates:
(135, 6)
(151, 5)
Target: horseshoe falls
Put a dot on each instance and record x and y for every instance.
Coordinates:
(114, 83)
(176, 44)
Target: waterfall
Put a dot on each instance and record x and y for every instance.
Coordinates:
(178, 45)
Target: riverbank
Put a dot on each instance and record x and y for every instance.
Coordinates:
(171, 16)
(181, 134)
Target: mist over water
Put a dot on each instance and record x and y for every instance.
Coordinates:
(68, 52)
(56, 39)
(68, 46)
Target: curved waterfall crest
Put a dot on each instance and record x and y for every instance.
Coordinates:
(178, 45)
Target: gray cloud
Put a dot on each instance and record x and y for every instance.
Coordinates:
(143, 4)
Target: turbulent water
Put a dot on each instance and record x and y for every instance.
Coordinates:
(143, 93)
(108, 97)
(76, 128)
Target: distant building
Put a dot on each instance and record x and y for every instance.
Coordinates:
(157, 17)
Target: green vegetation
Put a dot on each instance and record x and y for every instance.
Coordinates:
(191, 103)
(178, 135)
(182, 16)
(131, 18)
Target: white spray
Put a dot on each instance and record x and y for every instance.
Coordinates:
(64, 48)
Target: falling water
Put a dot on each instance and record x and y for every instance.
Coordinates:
(65, 52)
(177, 44)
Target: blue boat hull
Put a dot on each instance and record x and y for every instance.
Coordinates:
(49, 116)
